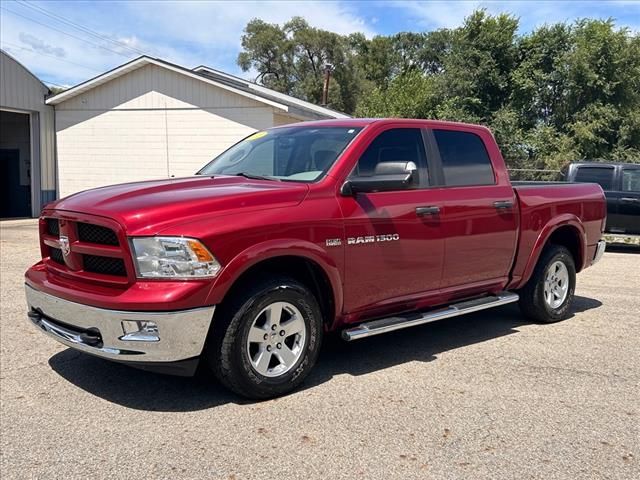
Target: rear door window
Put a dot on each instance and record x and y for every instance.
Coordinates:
(600, 175)
(631, 180)
(465, 160)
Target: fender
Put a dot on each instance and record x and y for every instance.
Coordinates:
(554, 224)
(272, 249)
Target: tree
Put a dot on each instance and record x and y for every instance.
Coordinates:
(477, 69)
(267, 48)
(468, 71)
(560, 93)
(407, 96)
(540, 80)
(292, 58)
(56, 90)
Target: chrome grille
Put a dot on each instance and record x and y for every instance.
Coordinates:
(94, 248)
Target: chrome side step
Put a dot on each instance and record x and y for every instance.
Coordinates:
(384, 325)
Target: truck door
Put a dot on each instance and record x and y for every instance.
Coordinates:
(629, 206)
(393, 245)
(479, 215)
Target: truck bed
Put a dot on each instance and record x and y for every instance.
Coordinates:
(577, 204)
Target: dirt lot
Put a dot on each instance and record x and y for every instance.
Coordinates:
(483, 396)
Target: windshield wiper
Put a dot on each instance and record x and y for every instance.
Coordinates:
(256, 177)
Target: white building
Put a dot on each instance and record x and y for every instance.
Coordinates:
(151, 119)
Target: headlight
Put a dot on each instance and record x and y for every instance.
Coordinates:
(173, 257)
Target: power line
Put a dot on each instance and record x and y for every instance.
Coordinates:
(44, 80)
(13, 45)
(82, 28)
(63, 32)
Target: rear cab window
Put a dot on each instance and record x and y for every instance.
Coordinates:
(603, 176)
(465, 160)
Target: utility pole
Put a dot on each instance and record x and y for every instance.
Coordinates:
(325, 88)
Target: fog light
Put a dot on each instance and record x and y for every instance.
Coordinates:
(139, 331)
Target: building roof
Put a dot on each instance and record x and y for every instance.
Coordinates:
(265, 92)
(286, 103)
(7, 54)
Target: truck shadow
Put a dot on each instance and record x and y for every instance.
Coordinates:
(142, 390)
(422, 343)
(138, 389)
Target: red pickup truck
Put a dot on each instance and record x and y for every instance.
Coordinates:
(357, 226)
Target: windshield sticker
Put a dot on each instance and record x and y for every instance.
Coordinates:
(257, 135)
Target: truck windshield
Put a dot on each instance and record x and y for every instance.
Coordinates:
(301, 154)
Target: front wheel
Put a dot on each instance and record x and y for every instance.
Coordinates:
(266, 339)
(548, 295)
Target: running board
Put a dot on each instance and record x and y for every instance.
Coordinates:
(384, 325)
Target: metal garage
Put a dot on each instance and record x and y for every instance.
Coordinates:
(27, 142)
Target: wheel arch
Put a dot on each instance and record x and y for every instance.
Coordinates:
(306, 263)
(569, 237)
(566, 231)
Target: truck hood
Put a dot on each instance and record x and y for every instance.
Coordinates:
(146, 208)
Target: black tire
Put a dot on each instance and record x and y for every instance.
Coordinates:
(532, 297)
(227, 350)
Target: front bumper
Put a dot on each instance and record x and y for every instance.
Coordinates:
(177, 336)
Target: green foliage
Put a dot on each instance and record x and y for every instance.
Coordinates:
(291, 59)
(408, 96)
(561, 93)
(56, 90)
(540, 83)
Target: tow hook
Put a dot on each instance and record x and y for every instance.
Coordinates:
(91, 337)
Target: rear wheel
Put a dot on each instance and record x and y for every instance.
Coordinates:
(548, 295)
(266, 339)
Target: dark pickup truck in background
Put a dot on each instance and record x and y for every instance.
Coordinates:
(621, 185)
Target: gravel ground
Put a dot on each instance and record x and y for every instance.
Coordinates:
(482, 396)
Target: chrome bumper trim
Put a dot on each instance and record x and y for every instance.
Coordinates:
(599, 251)
(181, 333)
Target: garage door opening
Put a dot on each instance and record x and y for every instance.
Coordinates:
(15, 165)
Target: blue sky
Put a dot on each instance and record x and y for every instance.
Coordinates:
(67, 42)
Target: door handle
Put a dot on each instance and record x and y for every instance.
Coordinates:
(503, 204)
(629, 199)
(424, 211)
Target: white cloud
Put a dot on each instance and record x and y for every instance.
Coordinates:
(38, 45)
(187, 33)
(223, 22)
